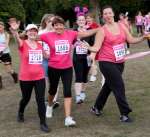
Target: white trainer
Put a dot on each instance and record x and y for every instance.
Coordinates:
(69, 122)
(49, 111)
(127, 52)
(83, 96)
(79, 99)
(92, 78)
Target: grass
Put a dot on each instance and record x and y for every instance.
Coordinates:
(137, 79)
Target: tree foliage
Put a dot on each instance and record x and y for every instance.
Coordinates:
(9, 8)
(33, 10)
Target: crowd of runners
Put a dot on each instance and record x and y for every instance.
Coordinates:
(51, 52)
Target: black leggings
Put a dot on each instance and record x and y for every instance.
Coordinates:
(66, 77)
(139, 29)
(113, 82)
(26, 89)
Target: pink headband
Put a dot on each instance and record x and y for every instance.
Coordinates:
(80, 11)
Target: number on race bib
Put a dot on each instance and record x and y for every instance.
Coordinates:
(35, 57)
(119, 51)
(62, 47)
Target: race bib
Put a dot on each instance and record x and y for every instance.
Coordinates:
(80, 50)
(119, 51)
(62, 47)
(35, 57)
(2, 46)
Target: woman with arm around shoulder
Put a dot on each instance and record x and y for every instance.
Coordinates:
(46, 26)
(60, 62)
(110, 45)
(31, 74)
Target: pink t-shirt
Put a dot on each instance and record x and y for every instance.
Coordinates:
(60, 48)
(139, 20)
(113, 46)
(31, 62)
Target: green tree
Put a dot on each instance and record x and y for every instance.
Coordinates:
(9, 9)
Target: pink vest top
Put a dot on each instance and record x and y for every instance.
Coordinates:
(113, 46)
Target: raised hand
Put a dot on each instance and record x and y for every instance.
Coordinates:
(147, 35)
(14, 25)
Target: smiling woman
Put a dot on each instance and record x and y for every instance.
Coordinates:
(110, 47)
(60, 62)
(31, 73)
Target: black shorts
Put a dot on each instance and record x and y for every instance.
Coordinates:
(5, 58)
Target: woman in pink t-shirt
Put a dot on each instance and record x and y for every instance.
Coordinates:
(46, 26)
(110, 45)
(60, 62)
(31, 74)
(139, 20)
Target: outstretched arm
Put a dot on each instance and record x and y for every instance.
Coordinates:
(13, 29)
(132, 39)
(87, 33)
(98, 42)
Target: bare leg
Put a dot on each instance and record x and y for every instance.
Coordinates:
(67, 106)
(78, 88)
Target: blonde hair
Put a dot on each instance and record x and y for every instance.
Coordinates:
(44, 19)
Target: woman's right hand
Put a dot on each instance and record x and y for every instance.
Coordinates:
(14, 25)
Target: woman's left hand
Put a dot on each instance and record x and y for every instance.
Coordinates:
(147, 35)
(85, 45)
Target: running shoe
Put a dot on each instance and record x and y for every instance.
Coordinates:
(69, 122)
(126, 119)
(95, 111)
(79, 99)
(92, 78)
(49, 111)
(55, 104)
(82, 95)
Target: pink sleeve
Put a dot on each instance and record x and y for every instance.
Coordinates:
(73, 34)
(43, 37)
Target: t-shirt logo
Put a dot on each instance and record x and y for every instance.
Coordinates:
(62, 47)
(35, 57)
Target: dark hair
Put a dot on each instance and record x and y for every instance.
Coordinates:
(123, 15)
(106, 7)
(12, 19)
(58, 19)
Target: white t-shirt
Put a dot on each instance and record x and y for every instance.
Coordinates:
(3, 42)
